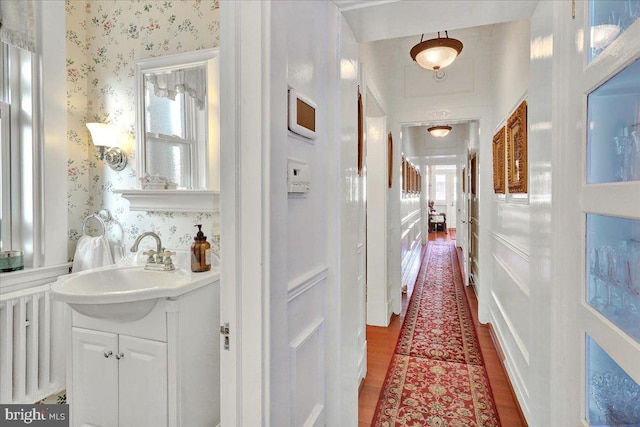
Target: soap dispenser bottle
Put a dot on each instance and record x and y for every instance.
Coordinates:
(200, 252)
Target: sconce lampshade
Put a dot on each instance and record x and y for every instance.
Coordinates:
(435, 54)
(108, 138)
(104, 135)
(439, 131)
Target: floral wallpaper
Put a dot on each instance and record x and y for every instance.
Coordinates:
(104, 38)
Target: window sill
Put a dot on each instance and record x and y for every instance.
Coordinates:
(30, 277)
(171, 200)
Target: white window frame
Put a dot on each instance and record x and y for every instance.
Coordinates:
(444, 185)
(5, 175)
(22, 156)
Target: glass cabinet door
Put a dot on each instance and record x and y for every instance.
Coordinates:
(613, 142)
(610, 196)
(613, 270)
(613, 397)
(608, 19)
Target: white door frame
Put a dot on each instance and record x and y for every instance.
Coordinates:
(244, 211)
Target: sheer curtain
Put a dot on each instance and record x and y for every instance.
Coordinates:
(17, 27)
(190, 81)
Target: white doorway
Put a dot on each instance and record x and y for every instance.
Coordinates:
(444, 192)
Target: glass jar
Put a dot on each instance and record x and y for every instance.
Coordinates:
(11, 261)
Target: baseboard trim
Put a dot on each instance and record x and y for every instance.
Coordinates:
(501, 355)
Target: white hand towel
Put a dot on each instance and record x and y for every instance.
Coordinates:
(91, 252)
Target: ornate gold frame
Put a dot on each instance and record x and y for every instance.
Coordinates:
(498, 161)
(517, 150)
(474, 174)
(390, 159)
(360, 132)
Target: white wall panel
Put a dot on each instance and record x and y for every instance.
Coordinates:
(306, 322)
(512, 309)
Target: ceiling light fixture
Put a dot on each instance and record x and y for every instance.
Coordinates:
(439, 131)
(434, 54)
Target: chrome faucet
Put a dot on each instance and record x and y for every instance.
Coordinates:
(159, 259)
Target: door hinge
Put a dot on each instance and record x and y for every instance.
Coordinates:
(573, 9)
(224, 331)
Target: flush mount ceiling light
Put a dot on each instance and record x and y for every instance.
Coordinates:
(107, 139)
(434, 54)
(439, 131)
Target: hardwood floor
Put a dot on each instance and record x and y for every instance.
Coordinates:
(382, 341)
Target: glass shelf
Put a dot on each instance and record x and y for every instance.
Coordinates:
(609, 19)
(613, 397)
(613, 141)
(613, 270)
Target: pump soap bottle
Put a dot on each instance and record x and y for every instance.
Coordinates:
(200, 252)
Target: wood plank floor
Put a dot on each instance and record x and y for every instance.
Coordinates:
(382, 341)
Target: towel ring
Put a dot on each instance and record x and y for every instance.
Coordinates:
(103, 216)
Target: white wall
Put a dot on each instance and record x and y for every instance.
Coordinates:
(379, 299)
(346, 333)
(297, 225)
(52, 42)
(509, 303)
(312, 332)
(540, 203)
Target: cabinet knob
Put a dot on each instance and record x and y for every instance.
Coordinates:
(108, 353)
(119, 356)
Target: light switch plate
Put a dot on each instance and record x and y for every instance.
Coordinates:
(298, 177)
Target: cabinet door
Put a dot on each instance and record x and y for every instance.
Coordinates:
(143, 382)
(95, 378)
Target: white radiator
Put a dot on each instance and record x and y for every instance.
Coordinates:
(26, 318)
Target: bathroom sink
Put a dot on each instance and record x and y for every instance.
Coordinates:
(125, 293)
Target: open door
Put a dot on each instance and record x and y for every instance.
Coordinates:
(462, 235)
(473, 222)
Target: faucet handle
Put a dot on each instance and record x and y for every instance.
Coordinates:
(168, 262)
(150, 254)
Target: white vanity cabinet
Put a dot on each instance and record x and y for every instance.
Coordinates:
(117, 378)
(161, 370)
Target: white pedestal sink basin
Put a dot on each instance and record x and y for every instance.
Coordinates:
(124, 293)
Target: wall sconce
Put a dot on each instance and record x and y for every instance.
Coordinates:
(439, 131)
(435, 54)
(107, 139)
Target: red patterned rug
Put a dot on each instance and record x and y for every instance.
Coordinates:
(437, 377)
(438, 323)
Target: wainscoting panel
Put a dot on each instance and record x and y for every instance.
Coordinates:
(411, 244)
(306, 322)
(361, 308)
(510, 310)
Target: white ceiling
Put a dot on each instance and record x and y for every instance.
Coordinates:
(373, 20)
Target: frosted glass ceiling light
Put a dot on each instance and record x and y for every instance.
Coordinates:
(439, 131)
(107, 138)
(435, 54)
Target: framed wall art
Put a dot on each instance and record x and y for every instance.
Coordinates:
(498, 161)
(464, 179)
(474, 174)
(390, 159)
(360, 132)
(517, 150)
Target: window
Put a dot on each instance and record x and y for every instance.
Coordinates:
(441, 187)
(17, 156)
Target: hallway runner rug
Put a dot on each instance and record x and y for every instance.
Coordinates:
(437, 377)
